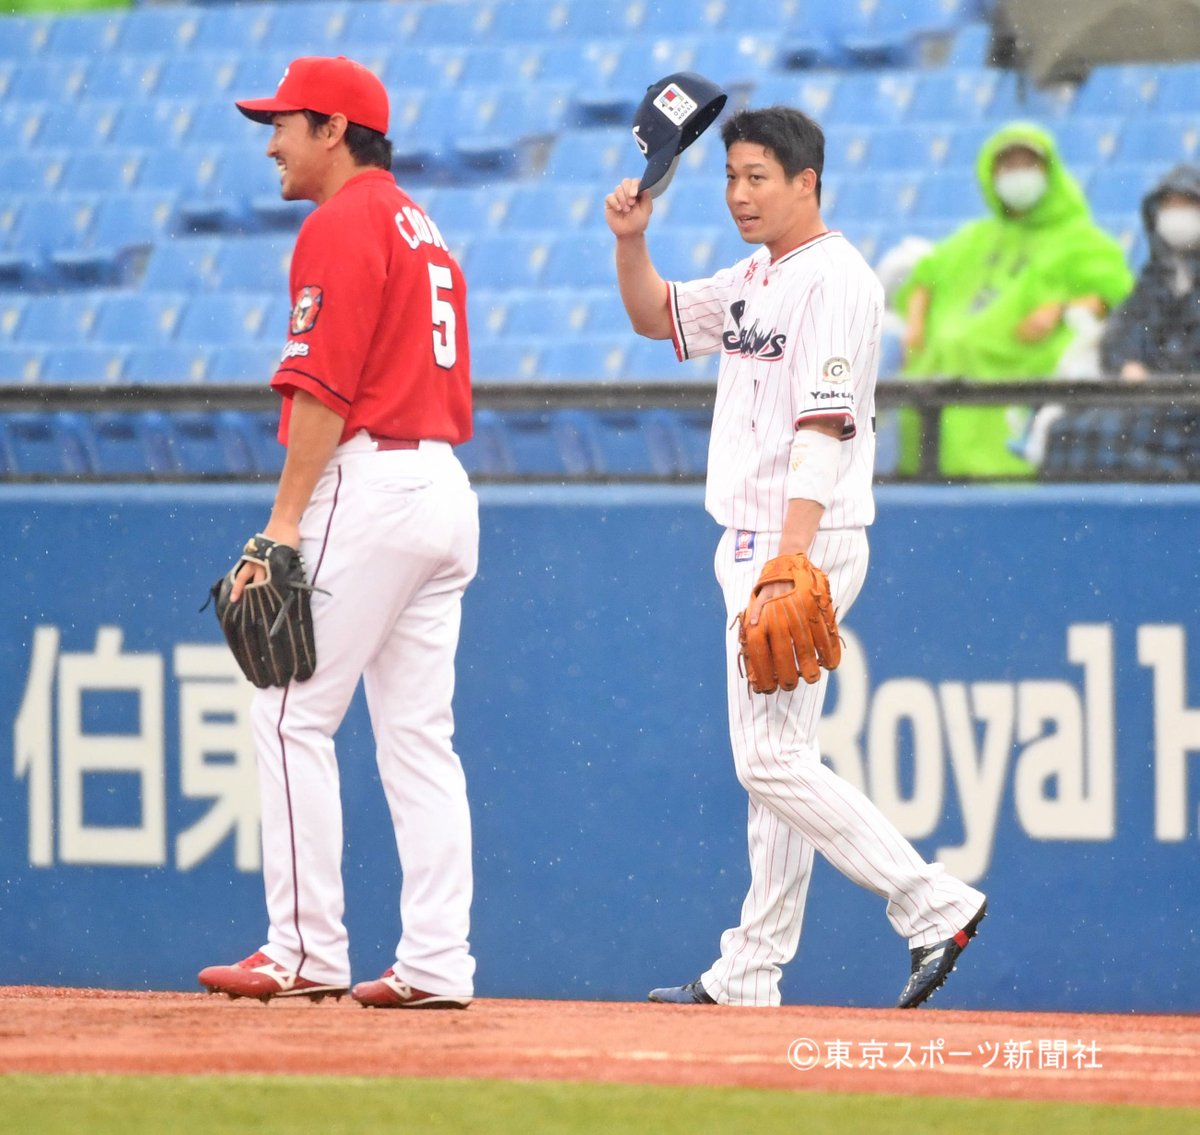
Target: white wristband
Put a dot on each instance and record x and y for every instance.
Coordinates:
(813, 466)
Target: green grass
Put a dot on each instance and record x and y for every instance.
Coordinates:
(265, 1105)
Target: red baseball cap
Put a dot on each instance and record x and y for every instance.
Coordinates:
(328, 86)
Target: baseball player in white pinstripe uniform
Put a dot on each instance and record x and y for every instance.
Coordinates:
(790, 465)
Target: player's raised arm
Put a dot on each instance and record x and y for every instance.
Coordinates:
(643, 290)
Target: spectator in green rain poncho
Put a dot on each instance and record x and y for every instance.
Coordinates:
(998, 298)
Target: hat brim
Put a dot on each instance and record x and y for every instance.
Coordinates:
(264, 110)
(660, 169)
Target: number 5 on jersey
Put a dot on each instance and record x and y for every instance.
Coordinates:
(445, 351)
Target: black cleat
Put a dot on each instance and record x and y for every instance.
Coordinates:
(691, 994)
(931, 965)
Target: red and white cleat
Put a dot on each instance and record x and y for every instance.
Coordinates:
(257, 976)
(389, 992)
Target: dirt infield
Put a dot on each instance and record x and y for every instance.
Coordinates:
(1070, 1057)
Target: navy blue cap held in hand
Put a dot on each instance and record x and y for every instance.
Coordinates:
(673, 114)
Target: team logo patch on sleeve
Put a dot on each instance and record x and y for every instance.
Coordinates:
(743, 546)
(308, 307)
(836, 370)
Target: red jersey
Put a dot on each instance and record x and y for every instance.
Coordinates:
(378, 329)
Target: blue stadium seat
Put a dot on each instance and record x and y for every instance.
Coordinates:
(966, 140)
(45, 443)
(237, 28)
(167, 364)
(12, 315)
(681, 252)
(469, 209)
(188, 172)
(22, 121)
(540, 205)
(597, 156)
(130, 443)
(119, 76)
(184, 264)
(847, 146)
(59, 318)
(21, 363)
(138, 318)
(506, 362)
(230, 179)
(919, 146)
(253, 364)
(48, 78)
(1121, 187)
(46, 224)
(876, 97)
(1177, 86)
(1119, 89)
(168, 29)
(540, 442)
(24, 36)
(605, 312)
(262, 428)
(691, 429)
(133, 219)
(260, 72)
(220, 318)
(254, 264)
(84, 364)
(528, 21)
(739, 61)
(949, 194)
(969, 93)
(31, 172)
(627, 443)
(499, 65)
(1163, 140)
(543, 312)
(217, 122)
(197, 75)
(514, 260)
(159, 125)
(317, 28)
(580, 259)
(484, 451)
(77, 124)
(619, 19)
(1089, 141)
(487, 312)
(971, 47)
(888, 197)
(584, 358)
(813, 92)
(107, 170)
(211, 444)
(1127, 229)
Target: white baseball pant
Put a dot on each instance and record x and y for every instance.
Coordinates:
(392, 540)
(799, 805)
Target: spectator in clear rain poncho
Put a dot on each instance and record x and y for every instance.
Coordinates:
(1157, 329)
(1003, 297)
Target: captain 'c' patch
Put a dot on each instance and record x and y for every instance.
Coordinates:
(308, 307)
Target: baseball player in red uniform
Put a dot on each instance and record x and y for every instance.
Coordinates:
(375, 383)
(797, 324)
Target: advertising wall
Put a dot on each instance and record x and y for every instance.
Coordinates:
(1018, 692)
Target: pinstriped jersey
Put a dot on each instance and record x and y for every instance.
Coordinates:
(799, 339)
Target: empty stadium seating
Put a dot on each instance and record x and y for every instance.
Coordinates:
(143, 240)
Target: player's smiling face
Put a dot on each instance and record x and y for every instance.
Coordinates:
(300, 157)
(768, 207)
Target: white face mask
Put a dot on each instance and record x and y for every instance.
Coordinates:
(1179, 226)
(1021, 189)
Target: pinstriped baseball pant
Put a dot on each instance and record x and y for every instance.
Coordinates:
(798, 806)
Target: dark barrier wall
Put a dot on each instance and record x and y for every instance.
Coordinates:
(1016, 692)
